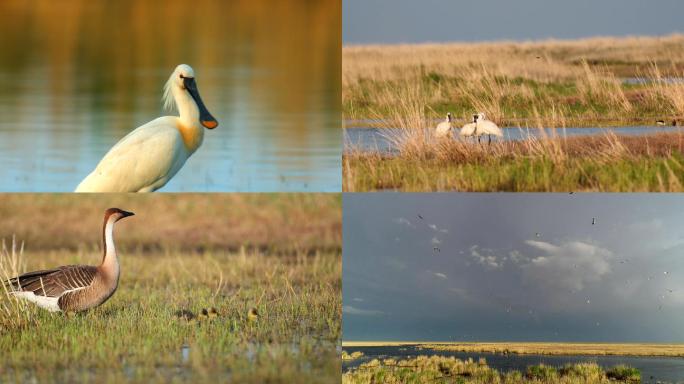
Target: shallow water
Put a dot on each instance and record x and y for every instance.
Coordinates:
(653, 369)
(379, 139)
(84, 85)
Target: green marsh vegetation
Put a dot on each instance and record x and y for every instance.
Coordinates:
(423, 369)
(270, 266)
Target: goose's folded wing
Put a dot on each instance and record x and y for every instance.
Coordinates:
(54, 282)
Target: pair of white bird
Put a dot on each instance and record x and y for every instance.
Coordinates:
(148, 157)
(480, 126)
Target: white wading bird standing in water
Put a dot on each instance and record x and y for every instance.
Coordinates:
(147, 158)
(481, 126)
(444, 128)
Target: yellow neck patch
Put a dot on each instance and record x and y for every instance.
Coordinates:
(192, 137)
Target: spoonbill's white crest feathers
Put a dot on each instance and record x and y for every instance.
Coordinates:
(74, 287)
(444, 128)
(149, 156)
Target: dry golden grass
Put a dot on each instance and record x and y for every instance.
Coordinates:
(281, 222)
(513, 81)
(627, 349)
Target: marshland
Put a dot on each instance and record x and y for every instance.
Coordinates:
(595, 114)
(449, 369)
(245, 288)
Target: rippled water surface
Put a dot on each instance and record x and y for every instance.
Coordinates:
(76, 77)
(384, 139)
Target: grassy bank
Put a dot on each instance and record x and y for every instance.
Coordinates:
(423, 369)
(278, 304)
(137, 335)
(606, 163)
(517, 83)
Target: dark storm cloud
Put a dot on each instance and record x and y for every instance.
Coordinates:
(411, 21)
(513, 267)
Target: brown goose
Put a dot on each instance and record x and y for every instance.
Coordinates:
(74, 288)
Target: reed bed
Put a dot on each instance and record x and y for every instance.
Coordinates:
(424, 369)
(513, 81)
(548, 161)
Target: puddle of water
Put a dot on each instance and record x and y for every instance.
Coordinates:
(185, 353)
(648, 80)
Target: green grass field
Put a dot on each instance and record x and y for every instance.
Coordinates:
(140, 334)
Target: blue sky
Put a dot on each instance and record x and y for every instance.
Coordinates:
(513, 267)
(413, 21)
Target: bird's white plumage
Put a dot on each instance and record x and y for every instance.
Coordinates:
(487, 127)
(468, 130)
(143, 161)
(49, 303)
(444, 128)
(149, 156)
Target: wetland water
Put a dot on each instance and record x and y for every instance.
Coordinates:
(379, 139)
(86, 82)
(653, 369)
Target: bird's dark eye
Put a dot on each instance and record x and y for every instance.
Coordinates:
(181, 76)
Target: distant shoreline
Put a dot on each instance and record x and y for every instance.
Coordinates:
(536, 348)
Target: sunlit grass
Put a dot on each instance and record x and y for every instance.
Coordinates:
(516, 83)
(138, 336)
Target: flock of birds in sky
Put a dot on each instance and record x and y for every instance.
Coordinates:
(480, 126)
(665, 274)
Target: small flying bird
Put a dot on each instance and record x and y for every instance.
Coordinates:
(436, 249)
(420, 217)
(74, 288)
(538, 234)
(593, 220)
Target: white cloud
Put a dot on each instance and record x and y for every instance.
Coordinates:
(435, 241)
(403, 221)
(433, 226)
(348, 309)
(570, 265)
(485, 257)
(440, 275)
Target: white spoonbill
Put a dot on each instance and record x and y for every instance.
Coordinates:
(148, 157)
(481, 126)
(469, 129)
(444, 128)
